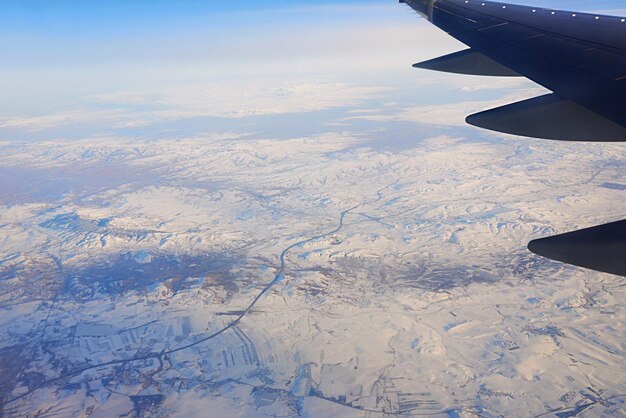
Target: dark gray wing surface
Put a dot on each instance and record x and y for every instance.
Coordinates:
(601, 248)
(580, 57)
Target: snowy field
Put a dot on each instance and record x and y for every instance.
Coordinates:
(323, 246)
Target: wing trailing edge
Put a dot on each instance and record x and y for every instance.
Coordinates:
(549, 117)
(469, 62)
(423, 7)
(601, 248)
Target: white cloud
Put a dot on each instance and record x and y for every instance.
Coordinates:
(180, 102)
(450, 114)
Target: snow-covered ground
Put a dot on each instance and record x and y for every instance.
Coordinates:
(315, 247)
(406, 286)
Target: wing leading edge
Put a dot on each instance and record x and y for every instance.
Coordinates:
(580, 57)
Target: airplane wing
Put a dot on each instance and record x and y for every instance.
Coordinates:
(580, 57)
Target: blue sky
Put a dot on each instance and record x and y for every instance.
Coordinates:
(93, 17)
(58, 18)
(83, 32)
(54, 50)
